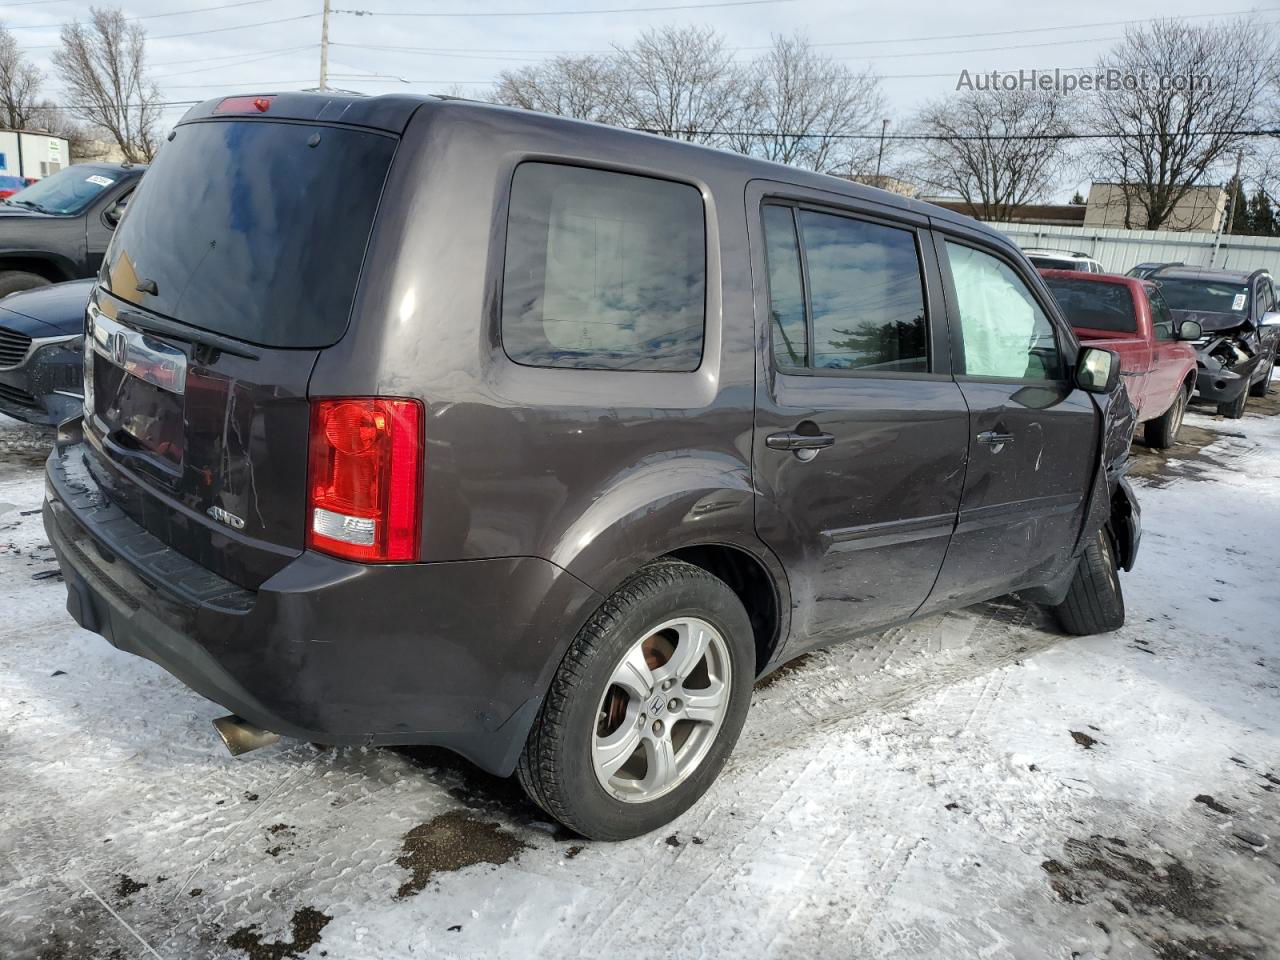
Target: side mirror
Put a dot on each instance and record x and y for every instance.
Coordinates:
(1271, 319)
(1097, 370)
(114, 212)
(1191, 329)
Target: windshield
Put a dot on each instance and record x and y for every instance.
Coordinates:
(68, 191)
(1099, 306)
(1205, 296)
(253, 229)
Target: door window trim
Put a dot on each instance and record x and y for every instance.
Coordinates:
(1067, 344)
(930, 295)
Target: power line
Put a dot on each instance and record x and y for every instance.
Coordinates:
(831, 43)
(152, 16)
(427, 51)
(198, 33)
(238, 63)
(233, 56)
(921, 137)
(568, 13)
(257, 85)
(1004, 33)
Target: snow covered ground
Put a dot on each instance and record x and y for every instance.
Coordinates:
(974, 785)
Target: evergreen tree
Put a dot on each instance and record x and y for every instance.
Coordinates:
(1262, 216)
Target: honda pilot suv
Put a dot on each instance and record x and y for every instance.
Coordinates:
(424, 421)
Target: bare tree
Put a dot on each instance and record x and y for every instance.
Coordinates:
(585, 88)
(1195, 89)
(103, 66)
(800, 108)
(994, 148)
(681, 82)
(19, 84)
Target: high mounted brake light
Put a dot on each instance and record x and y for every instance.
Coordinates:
(364, 478)
(244, 105)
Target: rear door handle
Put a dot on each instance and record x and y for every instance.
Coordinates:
(798, 441)
(994, 438)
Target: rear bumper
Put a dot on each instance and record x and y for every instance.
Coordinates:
(451, 654)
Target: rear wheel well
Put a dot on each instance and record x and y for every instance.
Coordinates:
(750, 580)
(44, 268)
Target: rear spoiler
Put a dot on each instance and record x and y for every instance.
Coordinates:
(389, 114)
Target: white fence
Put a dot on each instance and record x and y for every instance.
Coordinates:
(1118, 250)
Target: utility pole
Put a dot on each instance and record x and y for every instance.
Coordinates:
(1238, 190)
(884, 125)
(1231, 209)
(324, 48)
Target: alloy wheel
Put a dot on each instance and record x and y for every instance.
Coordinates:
(661, 710)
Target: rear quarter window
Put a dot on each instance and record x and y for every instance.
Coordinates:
(1098, 306)
(603, 271)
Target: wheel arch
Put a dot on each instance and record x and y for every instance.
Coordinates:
(699, 508)
(755, 586)
(52, 267)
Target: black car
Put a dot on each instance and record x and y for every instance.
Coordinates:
(59, 227)
(1237, 312)
(1143, 270)
(427, 421)
(42, 352)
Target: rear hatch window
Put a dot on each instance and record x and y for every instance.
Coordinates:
(253, 229)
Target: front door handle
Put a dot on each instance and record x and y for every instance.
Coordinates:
(995, 440)
(798, 441)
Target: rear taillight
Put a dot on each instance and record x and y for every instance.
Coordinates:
(364, 478)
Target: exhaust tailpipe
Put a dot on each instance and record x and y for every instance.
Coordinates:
(241, 736)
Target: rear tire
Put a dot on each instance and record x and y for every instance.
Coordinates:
(11, 281)
(1095, 601)
(1235, 409)
(1162, 432)
(591, 713)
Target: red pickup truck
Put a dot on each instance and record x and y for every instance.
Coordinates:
(1130, 317)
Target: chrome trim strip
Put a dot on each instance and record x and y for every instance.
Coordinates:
(137, 354)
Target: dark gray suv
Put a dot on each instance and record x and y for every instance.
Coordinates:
(424, 421)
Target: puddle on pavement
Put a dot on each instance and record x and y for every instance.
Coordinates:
(1185, 460)
(306, 927)
(127, 887)
(1156, 901)
(450, 842)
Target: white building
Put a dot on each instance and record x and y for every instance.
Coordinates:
(34, 155)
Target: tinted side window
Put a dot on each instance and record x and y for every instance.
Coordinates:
(1266, 299)
(866, 293)
(603, 271)
(1005, 332)
(1161, 318)
(788, 327)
